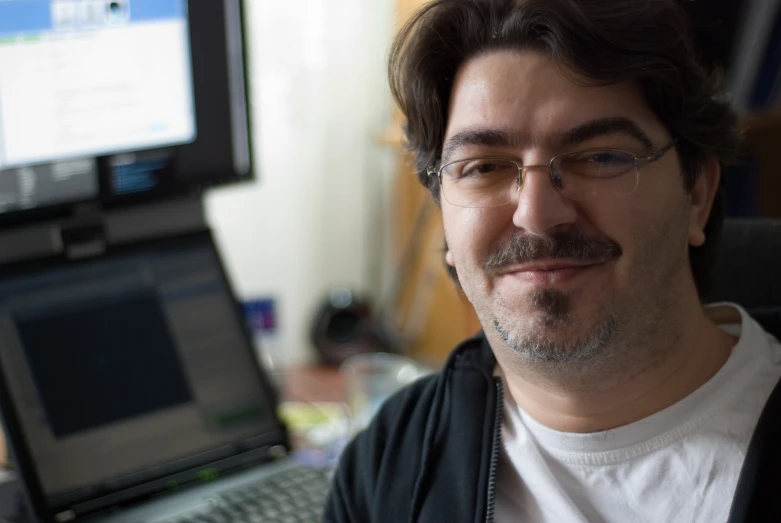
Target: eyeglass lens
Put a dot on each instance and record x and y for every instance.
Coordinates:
(578, 176)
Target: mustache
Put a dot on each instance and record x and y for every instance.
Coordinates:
(569, 244)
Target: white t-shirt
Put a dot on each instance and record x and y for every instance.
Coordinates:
(680, 464)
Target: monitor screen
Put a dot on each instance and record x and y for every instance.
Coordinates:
(92, 77)
(114, 101)
(129, 368)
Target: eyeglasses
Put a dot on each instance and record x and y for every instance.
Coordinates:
(579, 176)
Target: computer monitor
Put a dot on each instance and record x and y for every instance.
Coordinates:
(113, 102)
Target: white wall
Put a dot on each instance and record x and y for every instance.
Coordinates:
(318, 215)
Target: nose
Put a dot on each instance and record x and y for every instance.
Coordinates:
(540, 207)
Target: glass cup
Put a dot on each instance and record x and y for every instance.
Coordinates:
(370, 378)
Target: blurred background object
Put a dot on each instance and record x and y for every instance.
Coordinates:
(370, 379)
(346, 325)
(743, 41)
(320, 215)
(262, 316)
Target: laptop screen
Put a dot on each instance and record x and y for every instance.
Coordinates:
(130, 367)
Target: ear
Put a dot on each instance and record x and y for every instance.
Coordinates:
(701, 200)
(449, 258)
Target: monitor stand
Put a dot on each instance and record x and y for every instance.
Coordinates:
(90, 233)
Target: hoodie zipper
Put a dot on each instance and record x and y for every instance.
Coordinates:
(489, 517)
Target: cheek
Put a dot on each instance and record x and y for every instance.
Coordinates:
(626, 221)
(469, 234)
(653, 234)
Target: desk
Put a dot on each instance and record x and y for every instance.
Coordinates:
(313, 384)
(315, 411)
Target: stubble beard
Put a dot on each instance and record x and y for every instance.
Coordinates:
(551, 334)
(541, 346)
(616, 338)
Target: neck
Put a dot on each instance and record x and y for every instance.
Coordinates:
(629, 392)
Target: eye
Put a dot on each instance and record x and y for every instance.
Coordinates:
(478, 169)
(485, 168)
(607, 157)
(557, 179)
(602, 163)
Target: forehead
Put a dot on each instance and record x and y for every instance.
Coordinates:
(528, 94)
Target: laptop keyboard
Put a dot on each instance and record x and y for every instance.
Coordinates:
(294, 496)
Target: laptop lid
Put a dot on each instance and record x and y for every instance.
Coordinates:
(128, 375)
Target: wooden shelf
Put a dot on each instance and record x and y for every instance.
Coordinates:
(392, 136)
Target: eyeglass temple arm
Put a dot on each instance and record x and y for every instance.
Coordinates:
(658, 154)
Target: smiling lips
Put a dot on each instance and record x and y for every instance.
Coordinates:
(549, 272)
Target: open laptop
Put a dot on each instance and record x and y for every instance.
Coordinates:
(130, 393)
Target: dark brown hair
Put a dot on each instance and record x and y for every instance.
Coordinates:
(647, 42)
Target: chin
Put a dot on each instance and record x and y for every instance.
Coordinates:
(542, 342)
(554, 319)
(542, 307)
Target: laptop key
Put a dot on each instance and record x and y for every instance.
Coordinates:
(295, 496)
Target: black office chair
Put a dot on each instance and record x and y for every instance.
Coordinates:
(748, 270)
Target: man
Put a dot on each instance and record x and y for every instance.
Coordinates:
(575, 149)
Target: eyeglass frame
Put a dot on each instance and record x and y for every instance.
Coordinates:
(638, 162)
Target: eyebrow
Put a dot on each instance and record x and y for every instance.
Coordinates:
(486, 137)
(602, 127)
(569, 138)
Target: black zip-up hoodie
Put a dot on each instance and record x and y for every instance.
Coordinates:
(431, 453)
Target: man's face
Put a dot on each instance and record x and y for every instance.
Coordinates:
(559, 279)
